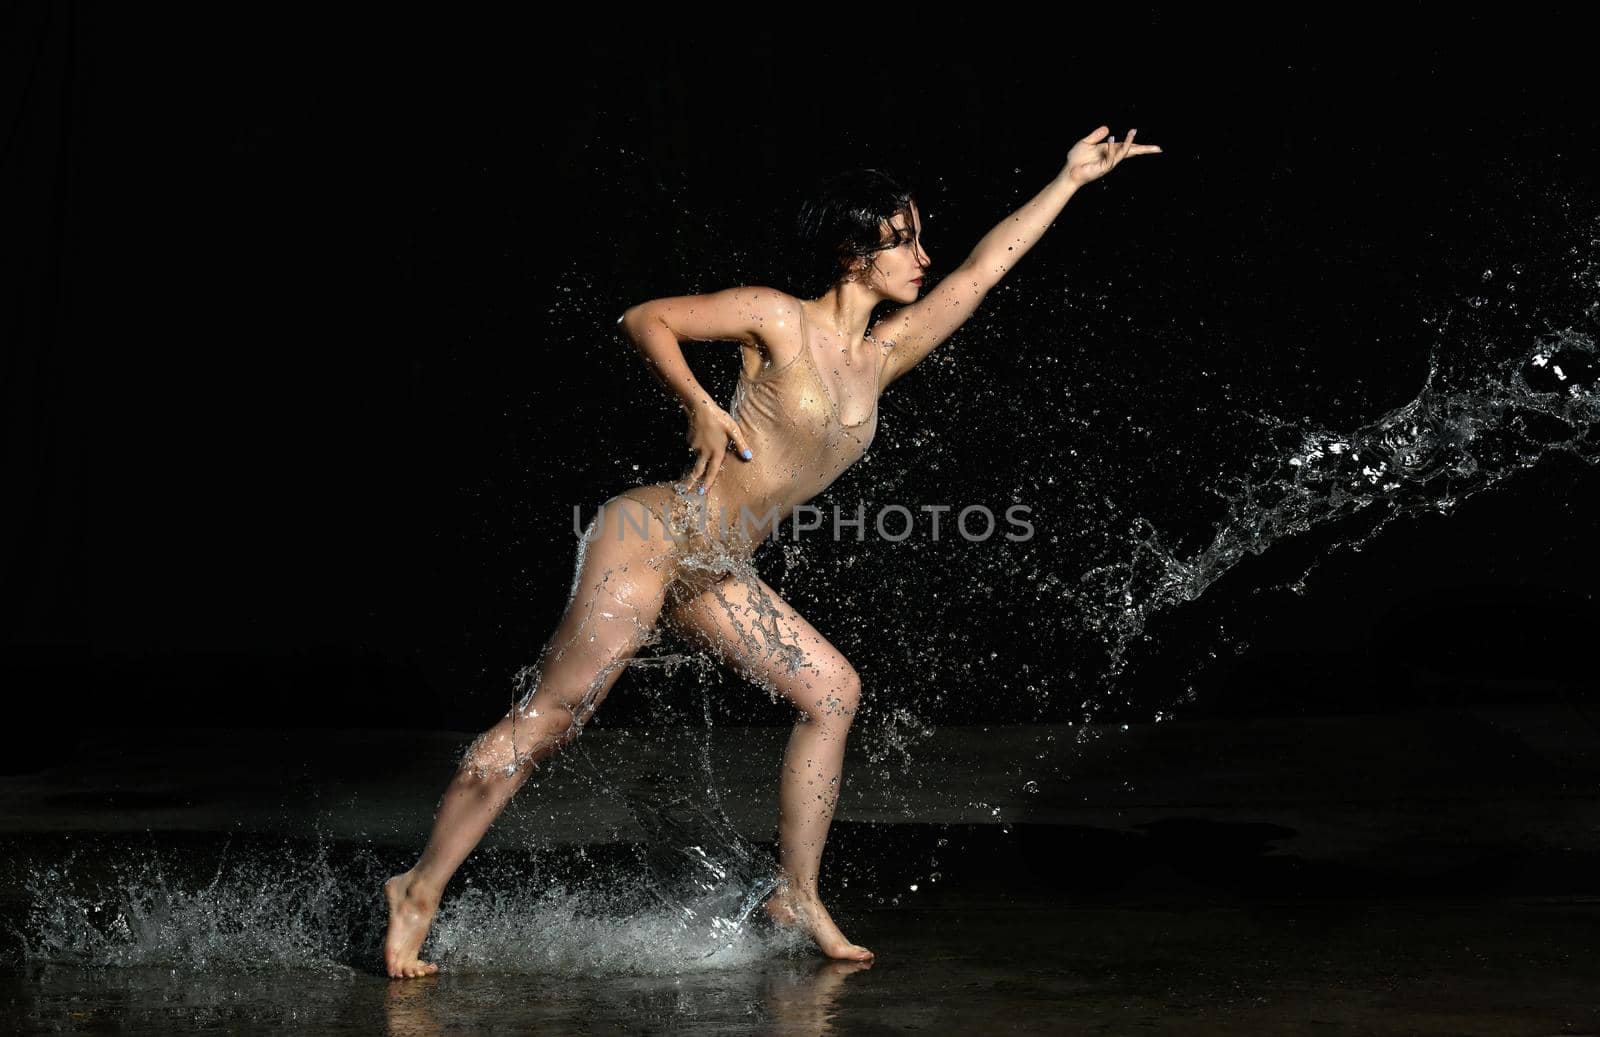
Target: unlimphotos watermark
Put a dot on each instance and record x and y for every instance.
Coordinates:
(890, 522)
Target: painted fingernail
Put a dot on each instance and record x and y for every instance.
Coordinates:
(701, 490)
(747, 455)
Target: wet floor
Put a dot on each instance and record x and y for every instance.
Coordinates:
(1448, 887)
(968, 965)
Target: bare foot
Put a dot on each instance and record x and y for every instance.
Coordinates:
(411, 911)
(789, 908)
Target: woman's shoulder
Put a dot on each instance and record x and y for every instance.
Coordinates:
(779, 332)
(781, 308)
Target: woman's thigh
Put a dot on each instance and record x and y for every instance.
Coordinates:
(618, 589)
(749, 627)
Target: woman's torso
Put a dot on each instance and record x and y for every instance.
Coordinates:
(792, 421)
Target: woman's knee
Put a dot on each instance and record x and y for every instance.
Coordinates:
(512, 746)
(831, 694)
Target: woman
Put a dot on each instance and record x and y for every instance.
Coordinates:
(805, 409)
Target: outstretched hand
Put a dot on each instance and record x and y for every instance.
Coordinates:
(1090, 160)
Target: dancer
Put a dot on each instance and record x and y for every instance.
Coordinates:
(677, 554)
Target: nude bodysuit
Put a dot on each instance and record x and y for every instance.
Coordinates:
(799, 444)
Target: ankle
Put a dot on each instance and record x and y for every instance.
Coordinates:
(419, 890)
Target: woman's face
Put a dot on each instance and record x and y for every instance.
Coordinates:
(898, 267)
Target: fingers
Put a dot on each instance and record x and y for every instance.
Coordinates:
(706, 468)
(1117, 154)
(716, 466)
(1111, 149)
(709, 459)
(1109, 154)
(698, 470)
(1136, 149)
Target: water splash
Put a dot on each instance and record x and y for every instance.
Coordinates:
(266, 911)
(1489, 408)
(1464, 433)
(1476, 422)
(290, 907)
(558, 931)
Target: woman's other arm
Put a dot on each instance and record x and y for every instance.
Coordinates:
(656, 328)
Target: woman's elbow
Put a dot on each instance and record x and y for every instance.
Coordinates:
(634, 316)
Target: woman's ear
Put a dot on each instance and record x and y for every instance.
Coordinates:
(862, 267)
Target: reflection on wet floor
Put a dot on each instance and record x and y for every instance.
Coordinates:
(1445, 886)
(970, 967)
(1034, 930)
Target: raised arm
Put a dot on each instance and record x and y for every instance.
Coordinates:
(915, 330)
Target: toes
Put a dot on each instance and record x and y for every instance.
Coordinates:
(412, 971)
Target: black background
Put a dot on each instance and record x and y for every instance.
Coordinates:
(311, 347)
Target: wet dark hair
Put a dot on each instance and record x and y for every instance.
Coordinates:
(844, 221)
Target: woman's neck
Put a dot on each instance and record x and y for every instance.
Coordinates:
(845, 310)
